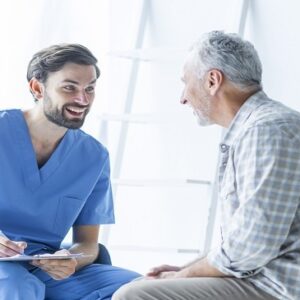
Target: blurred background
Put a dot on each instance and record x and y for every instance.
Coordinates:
(163, 164)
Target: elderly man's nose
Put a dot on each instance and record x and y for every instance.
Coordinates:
(183, 100)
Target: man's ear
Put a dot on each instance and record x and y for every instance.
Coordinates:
(36, 88)
(214, 80)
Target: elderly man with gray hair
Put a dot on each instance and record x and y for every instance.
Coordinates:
(259, 184)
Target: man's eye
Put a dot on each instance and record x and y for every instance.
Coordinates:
(90, 89)
(69, 88)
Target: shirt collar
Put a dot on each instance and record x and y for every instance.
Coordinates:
(242, 116)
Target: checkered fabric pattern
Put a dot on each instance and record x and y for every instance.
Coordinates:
(259, 195)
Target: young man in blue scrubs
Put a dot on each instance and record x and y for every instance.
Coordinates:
(54, 177)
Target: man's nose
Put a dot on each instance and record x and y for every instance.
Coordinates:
(182, 99)
(82, 99)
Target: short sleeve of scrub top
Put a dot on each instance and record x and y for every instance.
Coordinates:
(93, 212)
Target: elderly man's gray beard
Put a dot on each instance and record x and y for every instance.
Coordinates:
(202, 118)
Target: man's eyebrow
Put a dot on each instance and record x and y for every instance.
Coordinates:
(93, 81)
(76, 82)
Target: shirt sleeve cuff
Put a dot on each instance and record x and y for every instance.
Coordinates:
(218, 259)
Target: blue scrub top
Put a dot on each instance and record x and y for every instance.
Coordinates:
(72, 187)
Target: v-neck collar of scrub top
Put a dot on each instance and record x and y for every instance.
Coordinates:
(34, 176)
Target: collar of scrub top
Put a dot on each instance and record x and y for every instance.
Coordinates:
(34, 176)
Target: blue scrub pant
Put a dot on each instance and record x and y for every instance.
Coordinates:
(93, 282)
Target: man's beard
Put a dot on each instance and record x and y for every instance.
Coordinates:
(57, 116)
(202, 114)
(202, 118)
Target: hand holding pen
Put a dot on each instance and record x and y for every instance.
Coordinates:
(9, 247)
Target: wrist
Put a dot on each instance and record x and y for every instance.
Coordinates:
(183, 273)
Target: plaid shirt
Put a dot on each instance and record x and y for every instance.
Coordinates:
(259, 193)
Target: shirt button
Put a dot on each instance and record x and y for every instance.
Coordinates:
(224, 147)
(248, 273)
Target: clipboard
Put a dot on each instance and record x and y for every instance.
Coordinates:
(23, 257)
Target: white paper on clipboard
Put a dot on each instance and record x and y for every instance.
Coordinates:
(23, 257)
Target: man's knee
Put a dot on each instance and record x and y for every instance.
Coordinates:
(12, 275)
(17, 282)
(129, 291)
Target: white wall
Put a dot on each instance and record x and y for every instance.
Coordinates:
(272, 26)
(156, 223)
(28, 26)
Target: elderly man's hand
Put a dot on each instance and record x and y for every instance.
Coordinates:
(57, 268)
(163, 272)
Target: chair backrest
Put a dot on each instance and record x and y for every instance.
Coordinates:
(104, 256)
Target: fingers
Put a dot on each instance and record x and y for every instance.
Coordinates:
(57, 269)
(58, 263)
(10, 248)
(164, 275)
(57, 273)
(153, 272)
(169, 274)
(62, 252)
(21, 245)
(157, 270)
(163, 268)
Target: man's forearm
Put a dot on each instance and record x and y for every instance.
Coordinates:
(196, 260)
(200, 268)
(85, 248)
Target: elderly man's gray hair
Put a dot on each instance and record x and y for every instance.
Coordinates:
(234, 57)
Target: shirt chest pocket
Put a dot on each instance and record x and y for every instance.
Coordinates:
(68, 209)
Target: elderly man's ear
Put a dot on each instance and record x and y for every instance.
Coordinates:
(214, 81)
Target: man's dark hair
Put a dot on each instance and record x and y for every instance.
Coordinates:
(53, 59)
